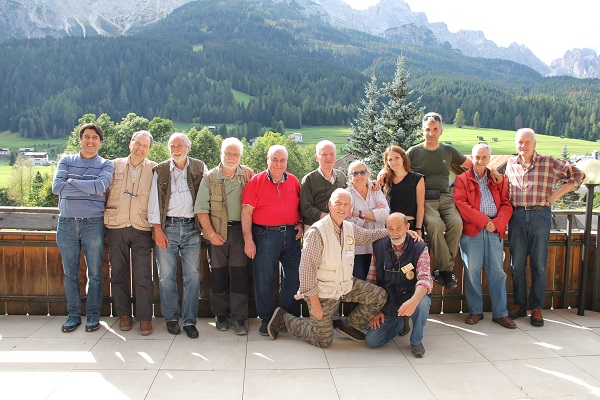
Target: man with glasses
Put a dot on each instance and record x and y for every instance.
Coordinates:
(403, 271)
(130, 234)
(219, 207)
(272, 228)
(177, 231)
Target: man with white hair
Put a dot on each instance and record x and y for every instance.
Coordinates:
(532, 178)
(176, 231)
(219, 208)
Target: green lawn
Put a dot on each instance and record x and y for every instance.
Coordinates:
(5, 171)
(13, 140)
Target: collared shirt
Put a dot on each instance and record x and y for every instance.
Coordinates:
(423, 267)
(134, 173)
(273, 203)
(531, 186)
(233, 193)
(180, 202)
(312, 252)
(333, 175)
(487, 205)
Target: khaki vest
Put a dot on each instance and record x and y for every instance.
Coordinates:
(218, 199)
(334, 274)
(195, 172)
(123, 210)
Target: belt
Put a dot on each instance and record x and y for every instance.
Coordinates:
(76, 219)
(276, 228)
(233, 223)
(532, 208)
(175, 220)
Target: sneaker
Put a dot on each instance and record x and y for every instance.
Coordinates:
(264, 328)
(449, 279)
(92, 323)
(406, 328)
(517, 311)
(417, 350)
(351, 333)
(437, 278)
(145, 328)
(71, 324)
(536, 317)
(221, 323)
(277, 323)
(125, 323)
(239, 326)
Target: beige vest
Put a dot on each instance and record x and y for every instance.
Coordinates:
(334, 275)
(123, 210)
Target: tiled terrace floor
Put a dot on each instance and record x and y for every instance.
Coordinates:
(484, 361)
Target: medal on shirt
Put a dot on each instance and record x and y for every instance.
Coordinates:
(409, 272)
(350, 240)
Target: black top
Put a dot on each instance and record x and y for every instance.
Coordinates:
(403, 195)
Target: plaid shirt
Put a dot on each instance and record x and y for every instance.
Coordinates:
(423, 267)
(531, 186)
(313, 249)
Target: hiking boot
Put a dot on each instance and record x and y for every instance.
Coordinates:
(536, 317)
(264, 328)
(437, 278)
(125, 323)
(222, 323)
(92, 323)
(277, 323)
(239, 326)
(71, 324)
(351, 333)
(517, 311)
(449, 279)
(417, 350)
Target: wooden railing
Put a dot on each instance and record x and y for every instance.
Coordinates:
(31, 276)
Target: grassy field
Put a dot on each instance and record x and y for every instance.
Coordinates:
(5, 171)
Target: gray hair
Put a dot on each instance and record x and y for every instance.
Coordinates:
(277, 147)
(354, 164)
(523, 131)
(481, 146)
(142, 133)
(432, 117)
(337, 192)
(183, 136)
(231, 141)
(322, 144)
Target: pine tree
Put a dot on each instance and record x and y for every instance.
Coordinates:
(459, 119)
(476, 122)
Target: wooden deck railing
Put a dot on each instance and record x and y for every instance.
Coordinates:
(31, 276)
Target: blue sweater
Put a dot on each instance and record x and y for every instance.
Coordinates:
(84, 196)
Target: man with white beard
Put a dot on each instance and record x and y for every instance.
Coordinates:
(403, 270)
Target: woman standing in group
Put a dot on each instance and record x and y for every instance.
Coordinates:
(404, 189)
(370, 210)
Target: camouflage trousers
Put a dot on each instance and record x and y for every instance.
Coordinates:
(370, 299)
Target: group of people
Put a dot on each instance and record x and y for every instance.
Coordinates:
(362, 238)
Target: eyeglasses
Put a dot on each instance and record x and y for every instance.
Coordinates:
(234, 155)
(132, 195)
(357, 173)
(391, 265)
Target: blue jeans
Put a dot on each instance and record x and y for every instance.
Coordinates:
(273, 248)
(393, 324)
(484, 252)
(529, 235)
(72, 236)
(184, 240)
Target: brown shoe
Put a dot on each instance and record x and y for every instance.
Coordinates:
(146, 328)
(125, 323)
(536, 318)
(505, 322)
(472, 319)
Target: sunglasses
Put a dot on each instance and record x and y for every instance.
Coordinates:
(357, 173)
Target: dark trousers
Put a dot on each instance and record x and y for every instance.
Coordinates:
(130, 246)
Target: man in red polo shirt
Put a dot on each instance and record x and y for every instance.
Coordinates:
(272, 228)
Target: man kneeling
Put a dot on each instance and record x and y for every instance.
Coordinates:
(326, 279)
(403, 271)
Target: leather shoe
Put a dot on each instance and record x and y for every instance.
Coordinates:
(472, 319)
(506, 322)
(173, 327)
(125, 323)
(146, 328)
(191, 331)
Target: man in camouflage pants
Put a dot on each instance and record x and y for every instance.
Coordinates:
(326, 279)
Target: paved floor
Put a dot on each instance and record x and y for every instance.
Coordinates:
(485, 361)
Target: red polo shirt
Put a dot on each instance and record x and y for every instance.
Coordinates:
(274, 203)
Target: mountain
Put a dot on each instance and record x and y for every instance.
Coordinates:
(580, 63)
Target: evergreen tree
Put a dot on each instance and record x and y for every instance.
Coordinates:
(363, 129)
(36, 188)
(565, 152)
(476, 122)
(459, 118)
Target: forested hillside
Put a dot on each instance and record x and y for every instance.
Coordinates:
(296, 70)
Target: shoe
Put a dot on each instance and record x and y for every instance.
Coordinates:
(536, 317)
(191, 331)
(449, 279)
(92, 323)
(146, 328)
(406, 328)
(71, 324)
(437, 278)
(173, 327)
(277, 323)
(517, 311)
(221, 323)
(472, 319)
(264, 328)
(506, 322)
(336, 323)
(351, 333)
(239, 326)
(125, 323)
(417, 350)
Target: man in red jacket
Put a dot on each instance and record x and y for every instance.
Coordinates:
(485, 209)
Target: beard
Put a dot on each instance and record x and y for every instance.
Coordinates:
(398, 240)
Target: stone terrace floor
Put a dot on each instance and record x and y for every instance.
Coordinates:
(484, 361)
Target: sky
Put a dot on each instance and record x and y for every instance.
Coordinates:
(547, 27)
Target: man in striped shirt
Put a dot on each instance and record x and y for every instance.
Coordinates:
(532, 178)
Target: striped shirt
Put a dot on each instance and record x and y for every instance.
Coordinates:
(532, 185)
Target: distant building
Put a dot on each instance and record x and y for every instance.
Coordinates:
(24, 150)
(4, 152)
(37, 158)
(296, 137)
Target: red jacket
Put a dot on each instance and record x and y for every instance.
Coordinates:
(467, 197)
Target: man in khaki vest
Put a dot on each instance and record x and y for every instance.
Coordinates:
(219, 206)
(326, 279)
(130, 234)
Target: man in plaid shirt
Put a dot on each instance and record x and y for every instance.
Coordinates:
(532, 178)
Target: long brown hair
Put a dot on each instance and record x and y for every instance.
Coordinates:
(389, 174)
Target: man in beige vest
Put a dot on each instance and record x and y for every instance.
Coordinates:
(326, 279)
(130, 234)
